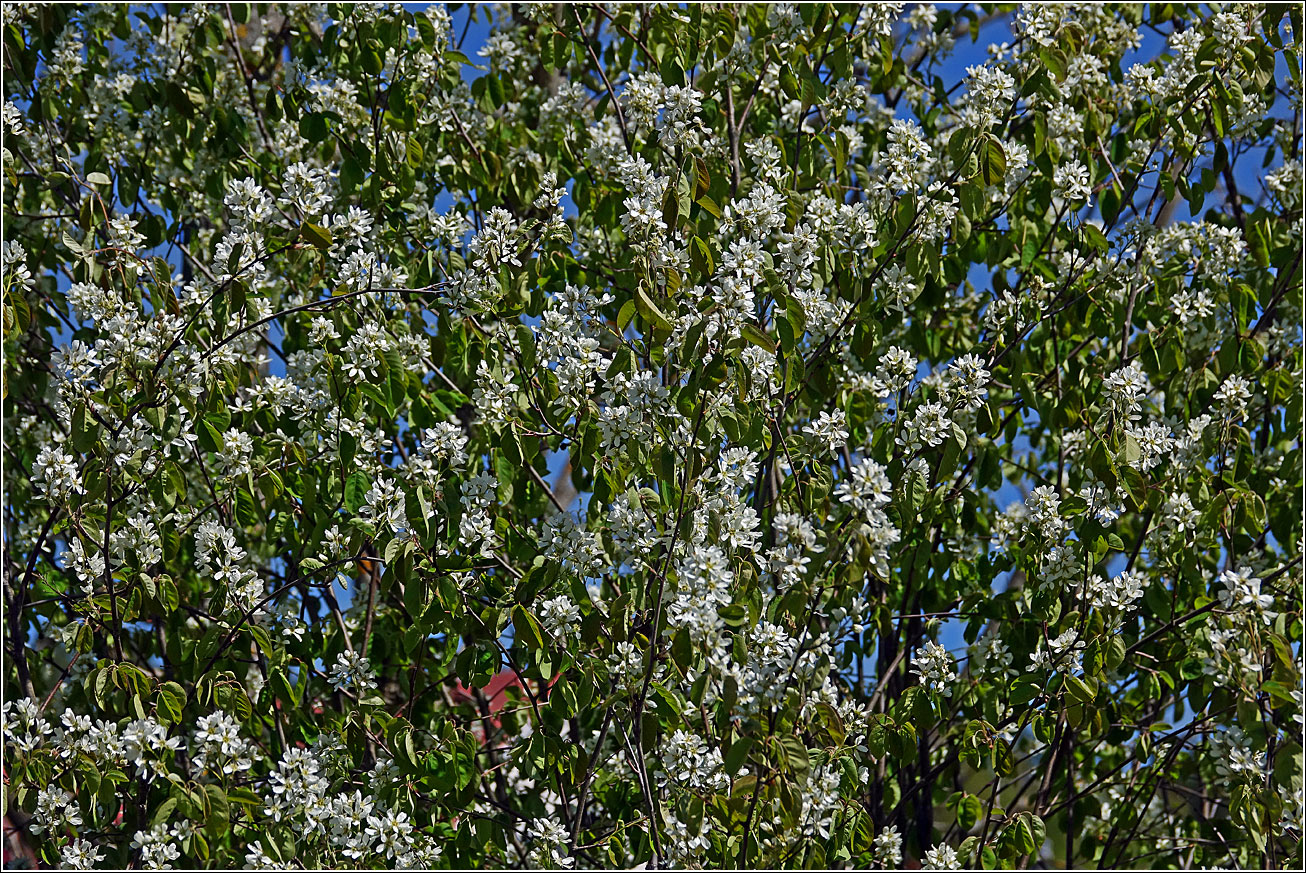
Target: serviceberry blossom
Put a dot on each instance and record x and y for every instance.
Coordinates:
(1122, 592)
(55, 809)
(689, 761)
(1043, 506)
(828, 429)
(941, 857)
(887, 848)
(969, 378)
(1062, 653)
(1232, 396)
(897, 289)
(992, 655)
(1125, 389)
(156, 846)
(80, 854)
(248, 201)
(1241, 589)
(928, 427)
(561, 618)
(351, 671)
(56, 473)
(549, 845)
(935, 667)
(1071, 181)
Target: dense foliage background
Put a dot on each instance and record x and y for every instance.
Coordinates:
(709, 436)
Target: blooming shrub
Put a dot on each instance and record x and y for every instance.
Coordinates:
(710, 436)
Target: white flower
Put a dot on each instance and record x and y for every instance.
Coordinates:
(941, 857)
(55, 472)
(548, 841)
(384, 503)
(1071, 181)
(929, 426)
(247, 201)
(80, 855)
(907, 155)
(1233, 395)
(561, 618)
(935, 667)
(218, 736)
(257, 859)
(867, 487)
(1235, 759)
(1121, 593)
(704, 588)
(829, 429)
(887, 848)
(446, 442)
(1064, 653)
(896, 288)
(391, 832)
(1241, 589)
(989, 93)
(157, 848)
(969, 378)
(1043, 506)
(55, 808)
(894, 372)
(305, 188)
(351, 670)
(688, 760)
(565, 540)
(992, 656)
(76, 361)
(13, 120)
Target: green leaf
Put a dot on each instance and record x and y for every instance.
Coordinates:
(682, 650)
(165, 811)
(969, 809)
(710, 206)
(171, 702)
(626, 315)
(494, 88)
(1079, 690)
(356, 488)
(1029, 251)
(755, 336)
(1004, 762)
(1094, 237)
(526, 628)
(1024, 690)
(650, 311)
(247, 511)
(209, 438)
(83, 433)
(701, 257)
(738, 755)
(319, 236)
(281, 687)
(245, 797)
(313, 127)
(702, 178)
(219, 811)
(1035, 829)
(789, 83)
(993, 163)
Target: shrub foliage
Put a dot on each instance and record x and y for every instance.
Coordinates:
(685, 436)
